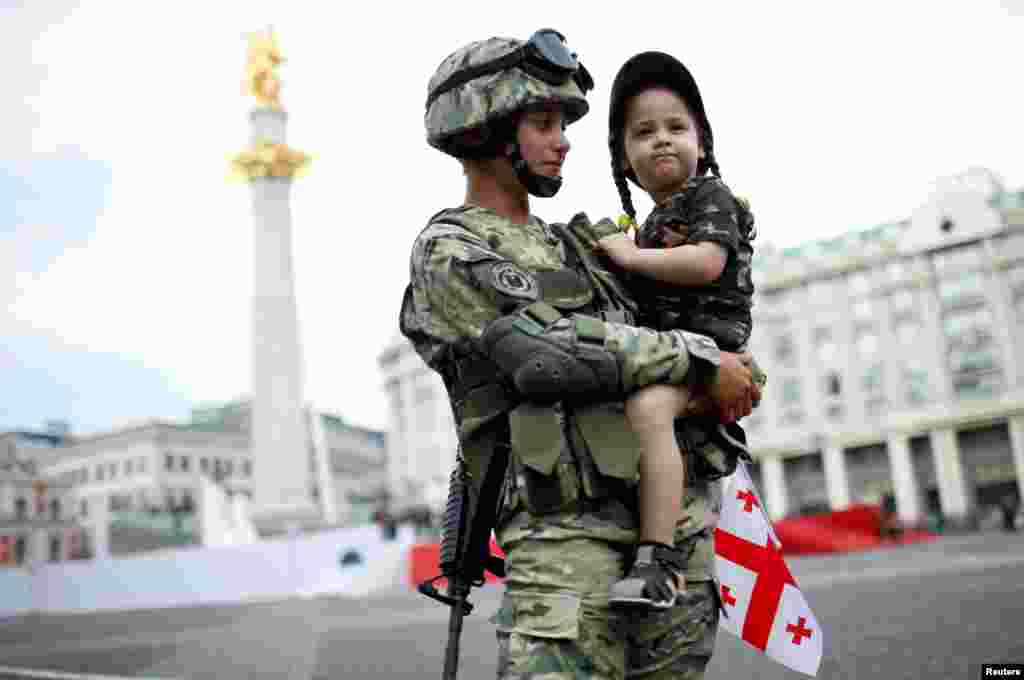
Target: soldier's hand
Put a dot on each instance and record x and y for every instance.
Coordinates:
(748, 360)
(732, 389)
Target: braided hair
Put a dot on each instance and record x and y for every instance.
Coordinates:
(620, 177)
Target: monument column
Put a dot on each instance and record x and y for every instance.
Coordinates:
(280, 439)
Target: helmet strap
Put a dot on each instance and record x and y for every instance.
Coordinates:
(536, 185)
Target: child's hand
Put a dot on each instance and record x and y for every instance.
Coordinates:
(674, 235)
(619, 248)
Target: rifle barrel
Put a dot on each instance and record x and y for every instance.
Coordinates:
(451, 651)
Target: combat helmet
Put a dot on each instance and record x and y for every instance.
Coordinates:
(639, 73)
(474, 93)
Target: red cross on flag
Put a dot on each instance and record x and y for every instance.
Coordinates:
(762, 602)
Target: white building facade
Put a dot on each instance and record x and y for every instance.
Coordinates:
(422, 443)
(140, 488)
(38, 519)
(895, 357)
(896, 361)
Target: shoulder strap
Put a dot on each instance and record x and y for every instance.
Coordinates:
(611, 294)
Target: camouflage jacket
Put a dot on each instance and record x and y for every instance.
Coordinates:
(705, 210)
(470, 266)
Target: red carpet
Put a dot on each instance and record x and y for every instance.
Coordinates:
(853, 529)
(856, 528)
(423, 563)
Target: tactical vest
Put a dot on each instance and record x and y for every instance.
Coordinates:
(563, 456)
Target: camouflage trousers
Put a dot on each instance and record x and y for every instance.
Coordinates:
(555, 622)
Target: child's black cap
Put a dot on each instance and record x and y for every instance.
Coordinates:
(641, 72)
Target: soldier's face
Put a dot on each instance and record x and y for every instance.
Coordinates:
(542, 141)
(662, 141)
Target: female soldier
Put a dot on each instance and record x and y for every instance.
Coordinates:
(531, 343)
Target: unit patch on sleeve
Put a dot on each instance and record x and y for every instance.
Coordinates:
(509, 279)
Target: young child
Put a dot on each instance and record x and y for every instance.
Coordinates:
(689, 269)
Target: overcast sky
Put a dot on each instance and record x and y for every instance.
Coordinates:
(125, 249)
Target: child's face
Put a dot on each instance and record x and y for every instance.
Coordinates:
(542, 141)
(662, 141)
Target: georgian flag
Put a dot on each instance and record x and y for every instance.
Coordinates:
(763, 605)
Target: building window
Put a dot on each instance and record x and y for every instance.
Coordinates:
(168, 462)
(968, 326)
(21, 509)
(55, 509)
(964, 289)
(120, 502)
(833, 384)
(142, 466)
(872, 380)
(83, 508)
(55, 548)
(791, 391)
(184, 463)
(204, 464)
(247, 468)
(785, 350)
(962, 360)
(99, 473)
(128, 468)
(976, 385)
(825, 345)
(229, 468)
(112, 470)
(834, 412)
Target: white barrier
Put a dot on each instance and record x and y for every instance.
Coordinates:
(16, 595)
(303, 565)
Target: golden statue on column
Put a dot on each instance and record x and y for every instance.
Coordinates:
(268, 155)
(262, 60)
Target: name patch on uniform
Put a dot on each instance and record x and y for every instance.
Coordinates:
(509, 279)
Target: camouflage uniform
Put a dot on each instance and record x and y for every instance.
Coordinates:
(568, 518)
(704, 211)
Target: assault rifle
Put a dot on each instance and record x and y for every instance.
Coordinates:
(469, 518)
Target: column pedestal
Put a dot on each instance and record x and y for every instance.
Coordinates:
(949, 474)
(908, 503)
(835, 477)
(774, 487)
